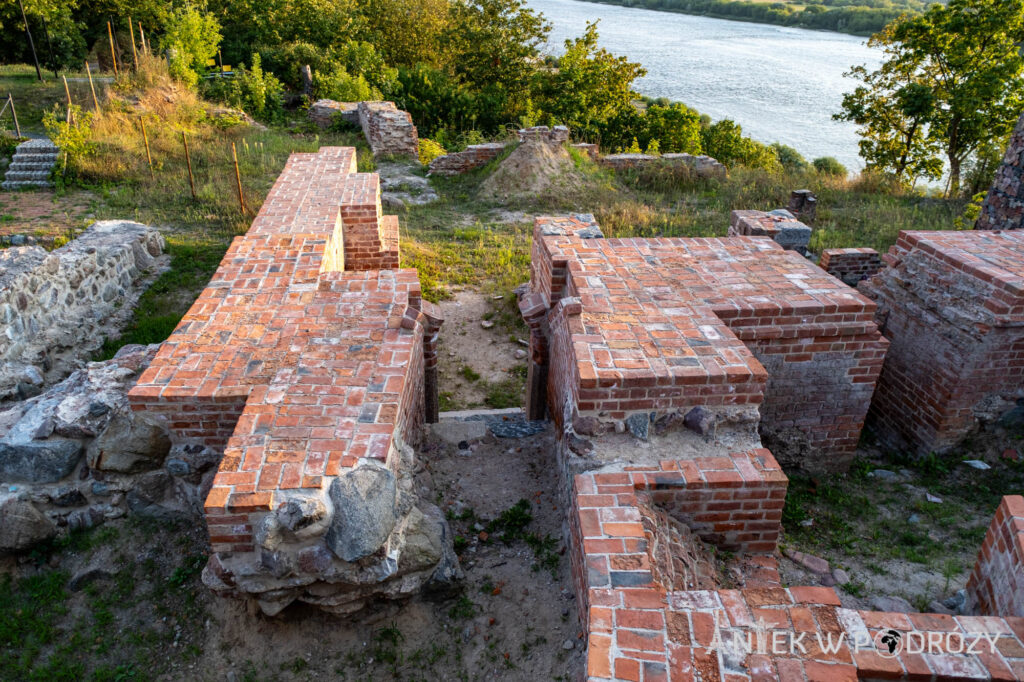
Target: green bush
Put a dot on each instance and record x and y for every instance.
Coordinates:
(430, 150)
(73, 139)
(253, 90)
(827, 165)
(791, 160)
(193, 37)
(337, 84)
(725, 142)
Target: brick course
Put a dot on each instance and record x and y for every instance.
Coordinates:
(996, 585)
(851, 265)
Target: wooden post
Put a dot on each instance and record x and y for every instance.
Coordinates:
(220, 60)
(17, 128)
(142, 39)
(131, 32)
(95, 102)
(238, 179)
(31, 43)
(188, 160)
(71, 114)
(113, 56)
(145, 138)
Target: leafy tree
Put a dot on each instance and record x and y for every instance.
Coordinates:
(675, 127)
(953, 81)
(590, 87)
(827, 165)
(724, 141)
(408, 32)
(193, 37)
(791, 159)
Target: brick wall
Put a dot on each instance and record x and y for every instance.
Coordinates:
(996, 585)
(472, 157)
(1003, 208)
(951, 304)
(851, 265)
(304, 358)
(388, 130)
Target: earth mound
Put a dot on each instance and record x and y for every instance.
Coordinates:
(535, 168)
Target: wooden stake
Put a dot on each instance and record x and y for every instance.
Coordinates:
(95, 102)
(188, 160)
(142, 39)
(131, 32)
(17, 128)
(71, 114)
(145, 138)
(31, 43)
(113, 56)
(238, 179)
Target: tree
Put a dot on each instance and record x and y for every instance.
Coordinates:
(193, 36)
(952, 82)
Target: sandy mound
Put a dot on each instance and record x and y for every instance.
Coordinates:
(535, 168)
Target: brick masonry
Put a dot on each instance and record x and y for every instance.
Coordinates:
(1003, 208)
(851, 265)
(779, 225)
(305, 358)
(952, 306)
(388, 130)
(996, 585)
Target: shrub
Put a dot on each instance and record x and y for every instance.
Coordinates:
(193, 37)
(336, 83)
(675, 127)
(253, 90)
(430, 150)
(724, 141)
(827, 165)
(73, 139)
(791, 160)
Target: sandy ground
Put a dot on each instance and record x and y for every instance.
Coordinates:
(490, 353)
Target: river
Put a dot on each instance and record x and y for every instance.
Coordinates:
(781, 84)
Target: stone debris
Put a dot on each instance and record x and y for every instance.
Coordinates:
(59, 307)
(977, 464)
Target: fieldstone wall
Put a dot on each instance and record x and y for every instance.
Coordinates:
(781, 225)
(703, 166)
(1003, 208)
(59, 306)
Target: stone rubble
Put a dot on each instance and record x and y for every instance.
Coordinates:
(1003, 208)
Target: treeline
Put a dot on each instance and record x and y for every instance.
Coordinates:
(465, 69)
(857, 17)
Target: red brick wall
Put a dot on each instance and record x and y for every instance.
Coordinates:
(850, 265)
(996, 585)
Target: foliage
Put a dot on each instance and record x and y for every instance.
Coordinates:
(790, 158)
(73, 138)
(952, 82)
(675, 127)
(338, 84)
(429, 150)
(193, 37)
(827, 165)
(725, 142)
(253, 90)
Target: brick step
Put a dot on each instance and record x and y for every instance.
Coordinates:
(23, 184)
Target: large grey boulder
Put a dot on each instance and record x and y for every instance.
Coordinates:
(22, 526)
(42, 461)
(129, 444)
(364, 501)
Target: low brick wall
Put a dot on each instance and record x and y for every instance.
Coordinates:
(996, 585)
(704, 166)
(388, 130)
(779, 225)
(308, 360)
(952, 306)
(472, 157)
(1003, 208)
(851, 265)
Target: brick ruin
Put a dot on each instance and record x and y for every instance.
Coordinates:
(1003, 208)
(310, 360)
(659, 360)
(681, 375)
(388, 130)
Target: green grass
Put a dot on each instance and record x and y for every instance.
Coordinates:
(33, 98)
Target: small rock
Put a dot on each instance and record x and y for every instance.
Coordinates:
(977, 464)
(177, 467)
(957, 602)
(364, 502)
(807, 523)
(22, 526)
(892, 605)
(840, 576)
(568, 645)
(69, 497)
(523, 342)
(809, 561)
(932, 498)
(486, 324)
(827, 580)
(520, 354)
(939, 607)
(884, 474)
(84, 578)
(914, 518)
(700, 421)
(639, 425)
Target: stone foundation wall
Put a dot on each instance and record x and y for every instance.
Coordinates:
(996, 585)
(1003, 208)
(780, 225)
(58, 307)
(703, 166)
(851, 265)
(952, 306)
(312, 380)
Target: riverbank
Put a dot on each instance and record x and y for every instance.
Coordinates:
(857, 20)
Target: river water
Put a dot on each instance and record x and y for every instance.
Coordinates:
(781, 84)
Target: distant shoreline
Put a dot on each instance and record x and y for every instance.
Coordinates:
(884, 16)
